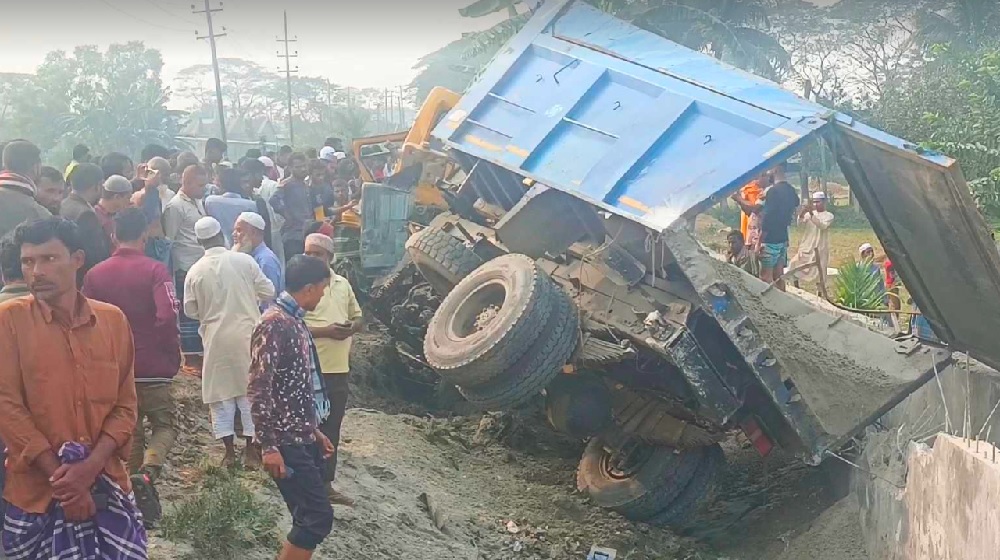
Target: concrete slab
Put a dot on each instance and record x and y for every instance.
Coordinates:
(953, 498)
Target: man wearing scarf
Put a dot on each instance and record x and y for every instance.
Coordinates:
(288, 401)
(22, 162)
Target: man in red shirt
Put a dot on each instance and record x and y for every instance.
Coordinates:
(143, 289)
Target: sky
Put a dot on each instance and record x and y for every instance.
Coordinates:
(359, 43)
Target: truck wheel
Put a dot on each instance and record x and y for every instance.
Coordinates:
(443, 259)
(578, 405)
(643, 483)
(489, 320)
(537, 368)
(695, 493)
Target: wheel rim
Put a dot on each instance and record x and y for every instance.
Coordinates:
(626, 463)
(478, 311)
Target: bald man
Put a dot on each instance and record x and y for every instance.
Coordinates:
(179, 217)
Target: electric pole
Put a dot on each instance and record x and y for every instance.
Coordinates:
(288, 77)
(212, 35)
(402, 113)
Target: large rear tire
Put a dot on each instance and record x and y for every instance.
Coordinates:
(539, 365)
(689, 501)
(645, 483)
(442, 259)
(490, 320)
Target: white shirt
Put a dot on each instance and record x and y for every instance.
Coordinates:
(223, 290)
(816, 237)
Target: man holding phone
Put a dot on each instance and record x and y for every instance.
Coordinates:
(333, 323)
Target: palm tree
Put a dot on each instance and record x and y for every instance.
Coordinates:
(962, 23)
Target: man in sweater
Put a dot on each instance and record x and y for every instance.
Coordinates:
(144, 290)
(22, 162)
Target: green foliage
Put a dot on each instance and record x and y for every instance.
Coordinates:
(727, 213)
(111, 101)
(951, 105)
(223, 520)
(846, 217)
(735, 31)
(859, 286)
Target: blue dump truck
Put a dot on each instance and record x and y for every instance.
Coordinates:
(565, 264)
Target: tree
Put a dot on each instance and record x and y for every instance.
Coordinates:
(962, 23)
(950, 104)
(732, 30)
(111, 101)
(249, 92)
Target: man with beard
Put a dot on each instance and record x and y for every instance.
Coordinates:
(248, 237)
(67, 409)
(223, 291)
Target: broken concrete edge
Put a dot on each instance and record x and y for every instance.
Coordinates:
(909, 436)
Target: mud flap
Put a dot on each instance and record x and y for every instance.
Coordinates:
(827, 377)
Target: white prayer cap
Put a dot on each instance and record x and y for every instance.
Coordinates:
(252, 219)
(328, 153)
(207, 228)
(819, 195)
(865, 247)
(266, 161)
(322, 241)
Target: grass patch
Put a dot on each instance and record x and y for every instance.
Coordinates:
(223, 520)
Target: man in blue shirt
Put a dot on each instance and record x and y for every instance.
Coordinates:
(226, 207)
(248, 237)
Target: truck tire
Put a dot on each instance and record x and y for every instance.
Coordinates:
(540, 364)
(656, 478)
(489, 320)
(695, 493)
(442, 259)
(578, 405)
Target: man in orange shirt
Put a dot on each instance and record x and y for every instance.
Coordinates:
(67, 408)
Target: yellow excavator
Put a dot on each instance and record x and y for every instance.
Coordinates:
(400, 173)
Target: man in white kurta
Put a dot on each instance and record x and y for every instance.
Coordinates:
(816, 221)
(223, 290)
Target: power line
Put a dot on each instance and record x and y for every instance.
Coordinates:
(170, 13)
(143, 21)
(288, 76)
(211, 36)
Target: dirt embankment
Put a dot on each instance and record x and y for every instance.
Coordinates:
(503, 486)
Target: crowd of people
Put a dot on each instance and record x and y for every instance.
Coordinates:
(769, 205)
(115, 278)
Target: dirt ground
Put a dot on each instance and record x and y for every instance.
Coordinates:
(504, 487)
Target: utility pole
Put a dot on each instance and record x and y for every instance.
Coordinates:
(212, 35)
(402, 114)
(288, 77)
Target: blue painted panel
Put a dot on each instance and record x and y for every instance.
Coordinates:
(643, 127)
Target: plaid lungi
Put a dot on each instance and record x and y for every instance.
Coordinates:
(115, 533)
(190, 338)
